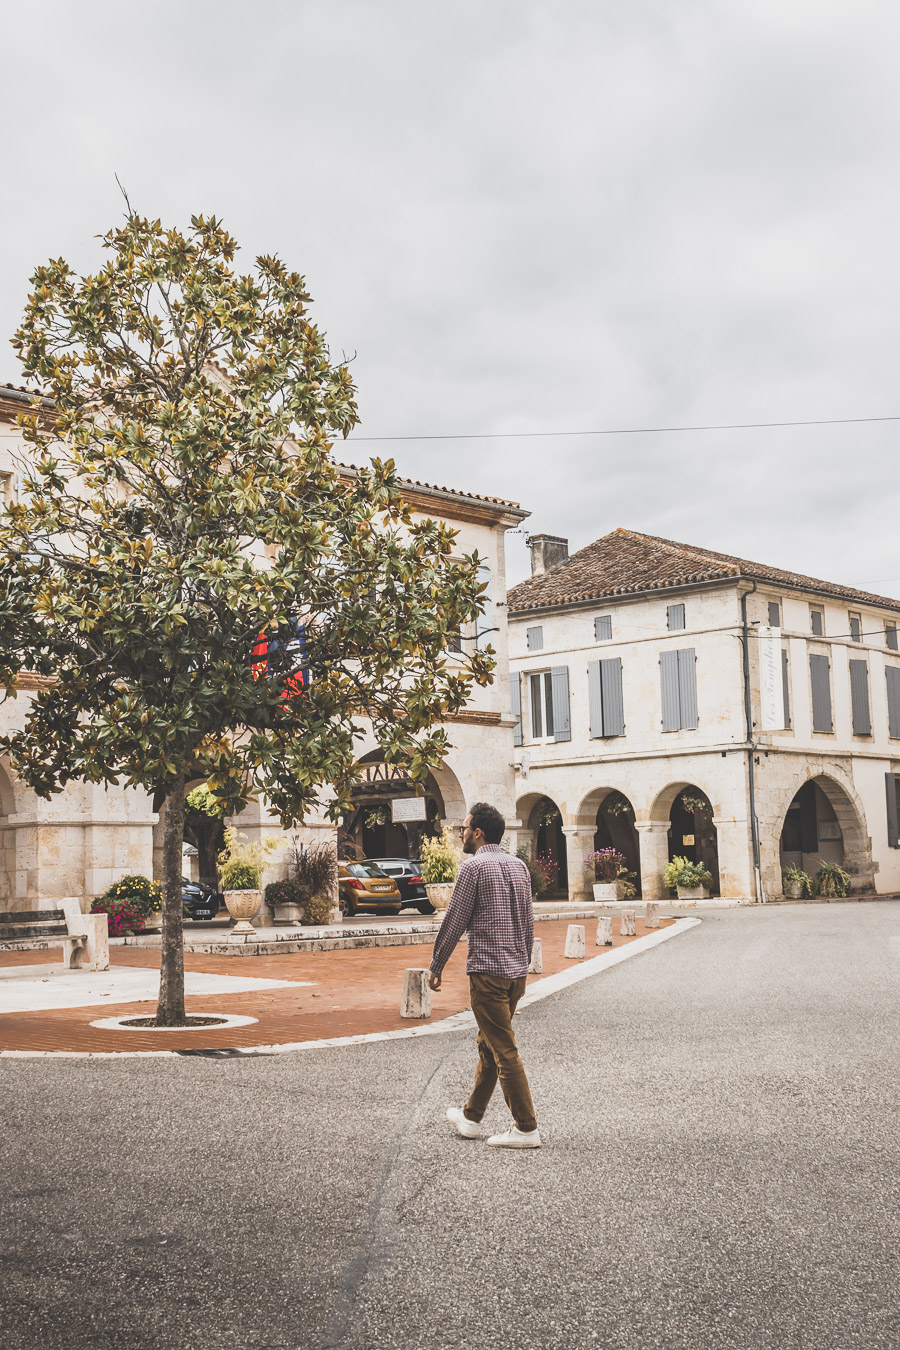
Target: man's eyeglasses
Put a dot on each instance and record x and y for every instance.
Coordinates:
(461, 831)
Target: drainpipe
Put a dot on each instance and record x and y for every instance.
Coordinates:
(751, 748)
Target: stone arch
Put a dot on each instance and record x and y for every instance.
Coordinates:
(692, 831)
(542, 819)
(363, 834)
(831, 810)
(607, 817)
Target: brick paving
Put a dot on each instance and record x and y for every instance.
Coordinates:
(353, 993)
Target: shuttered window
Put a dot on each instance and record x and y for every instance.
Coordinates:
(892, 675)
(515, 704)
(786, 688)
(534, 639)
(774, 614)
(603, 628)
(820, 685)
(859, 698)
(675, 618)
(540, 689)
(678, 687)
(892, 787)
(562, 730)
(817, 623)
(890, 636)
(855, 627)
(607, 709)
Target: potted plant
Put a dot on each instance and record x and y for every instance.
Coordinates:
(796, 884)
(832, 881)
(240, 871)
(440, 864)
(314, 868)
(144, 897)
(541, 869)
(688, 878)
(606, 868)
(285, 901)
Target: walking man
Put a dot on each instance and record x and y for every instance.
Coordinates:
(492, 902)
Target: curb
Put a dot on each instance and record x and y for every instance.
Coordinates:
(541, 989)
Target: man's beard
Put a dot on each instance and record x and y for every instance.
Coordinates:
(468, 846)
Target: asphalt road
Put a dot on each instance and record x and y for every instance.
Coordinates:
(720, 1170)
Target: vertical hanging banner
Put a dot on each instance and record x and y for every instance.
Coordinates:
(771, 693)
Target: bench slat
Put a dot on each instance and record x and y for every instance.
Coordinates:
(23, 931)
(32, 916)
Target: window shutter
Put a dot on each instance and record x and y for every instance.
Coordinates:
(560, 680)
(859, 698)
(855, 628)
(815, 621)
(890, 636)
(687, 688)
(613, 705)
(595, 701)
(821, 693)
(485, 621)
(668, 675)
(892, 786)
(675, 617)
(534, 639)
(774, 614)
(603, 628)
(515, 704)
(786, 688)
(892, 675)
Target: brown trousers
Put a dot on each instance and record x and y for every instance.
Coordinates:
(494, 1001)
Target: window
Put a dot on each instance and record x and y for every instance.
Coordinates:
(890, 636)
(515, 704)
(892, 675)
(605, 698)
(534, 639)
(549, 694)
(817, 623)
(820, 686)
(603, 628)
(786, 688)
(855, 627)
(675, 618)
(859, 698)
(678, 679)
(892, 784)
(6, 492)
(774, 613)
(456, 642)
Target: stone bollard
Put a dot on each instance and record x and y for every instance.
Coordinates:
(628, 928)
(536, 966)
(575, 940)
(604, 931)
(416, 1000)
(651, 918)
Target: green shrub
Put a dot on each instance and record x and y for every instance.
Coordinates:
(794, 876)
(832, 880)
(683, 872)
(237, 875)
(440, 859)
(317, 908)
(241, 865)
(143, 896)
(314, 870)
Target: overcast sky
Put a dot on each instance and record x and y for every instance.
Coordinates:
(529, 216)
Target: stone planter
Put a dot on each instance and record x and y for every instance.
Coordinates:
(242, 906)
(608, 890)
(794, 892)
(439, 893)
(153, 922)
(289, 913)
(692, 892)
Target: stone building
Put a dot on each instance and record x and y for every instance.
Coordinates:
(660, 689)
(87, 836)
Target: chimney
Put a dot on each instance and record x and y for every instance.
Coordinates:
(547, 550)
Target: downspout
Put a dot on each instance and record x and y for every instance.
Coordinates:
(751, 749)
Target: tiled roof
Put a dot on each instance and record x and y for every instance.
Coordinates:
(626, 563)
(452, 494)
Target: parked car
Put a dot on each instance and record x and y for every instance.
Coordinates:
(199, 901)
(363, 885)
(407, 872)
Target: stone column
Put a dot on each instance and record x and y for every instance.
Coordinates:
(579, 841)
(735, 849)
(654, 843)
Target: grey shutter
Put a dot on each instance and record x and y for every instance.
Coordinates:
(892, 675)
(668, 676)
(786, 688)
(859, 698)
(893, 809)
(603, 628)
(821, 693)
(815, 621)
(890, 635)
(515, 704)
(595, 700)
(774, 614)
(855, 628)
(687, 688)
(534, 639)
(559, 676)
(675, 617)
(613, 705)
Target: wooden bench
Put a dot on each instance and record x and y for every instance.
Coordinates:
(80, 935)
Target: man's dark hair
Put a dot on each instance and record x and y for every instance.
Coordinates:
(489, 821)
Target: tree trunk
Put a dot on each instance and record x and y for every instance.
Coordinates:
(170, 1008)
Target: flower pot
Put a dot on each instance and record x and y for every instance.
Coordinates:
(608, 890)
(289, 913)
(794, 891)
(692, 892)
(242, 906)
(153, 922)
(439, 893)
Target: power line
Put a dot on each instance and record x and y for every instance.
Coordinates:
(619, 431)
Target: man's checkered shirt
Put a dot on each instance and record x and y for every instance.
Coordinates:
(492, 901)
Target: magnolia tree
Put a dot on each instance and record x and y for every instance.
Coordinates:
(182, 526)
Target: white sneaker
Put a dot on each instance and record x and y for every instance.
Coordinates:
(516, 1138)
(469, 1129)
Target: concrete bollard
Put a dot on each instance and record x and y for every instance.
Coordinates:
(628, 928)
(604, 931)
(416, 1000)
(575, 940)
(536, 966)
(651, 918)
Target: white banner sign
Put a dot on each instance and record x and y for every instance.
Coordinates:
(408, 808)
(770, 680)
